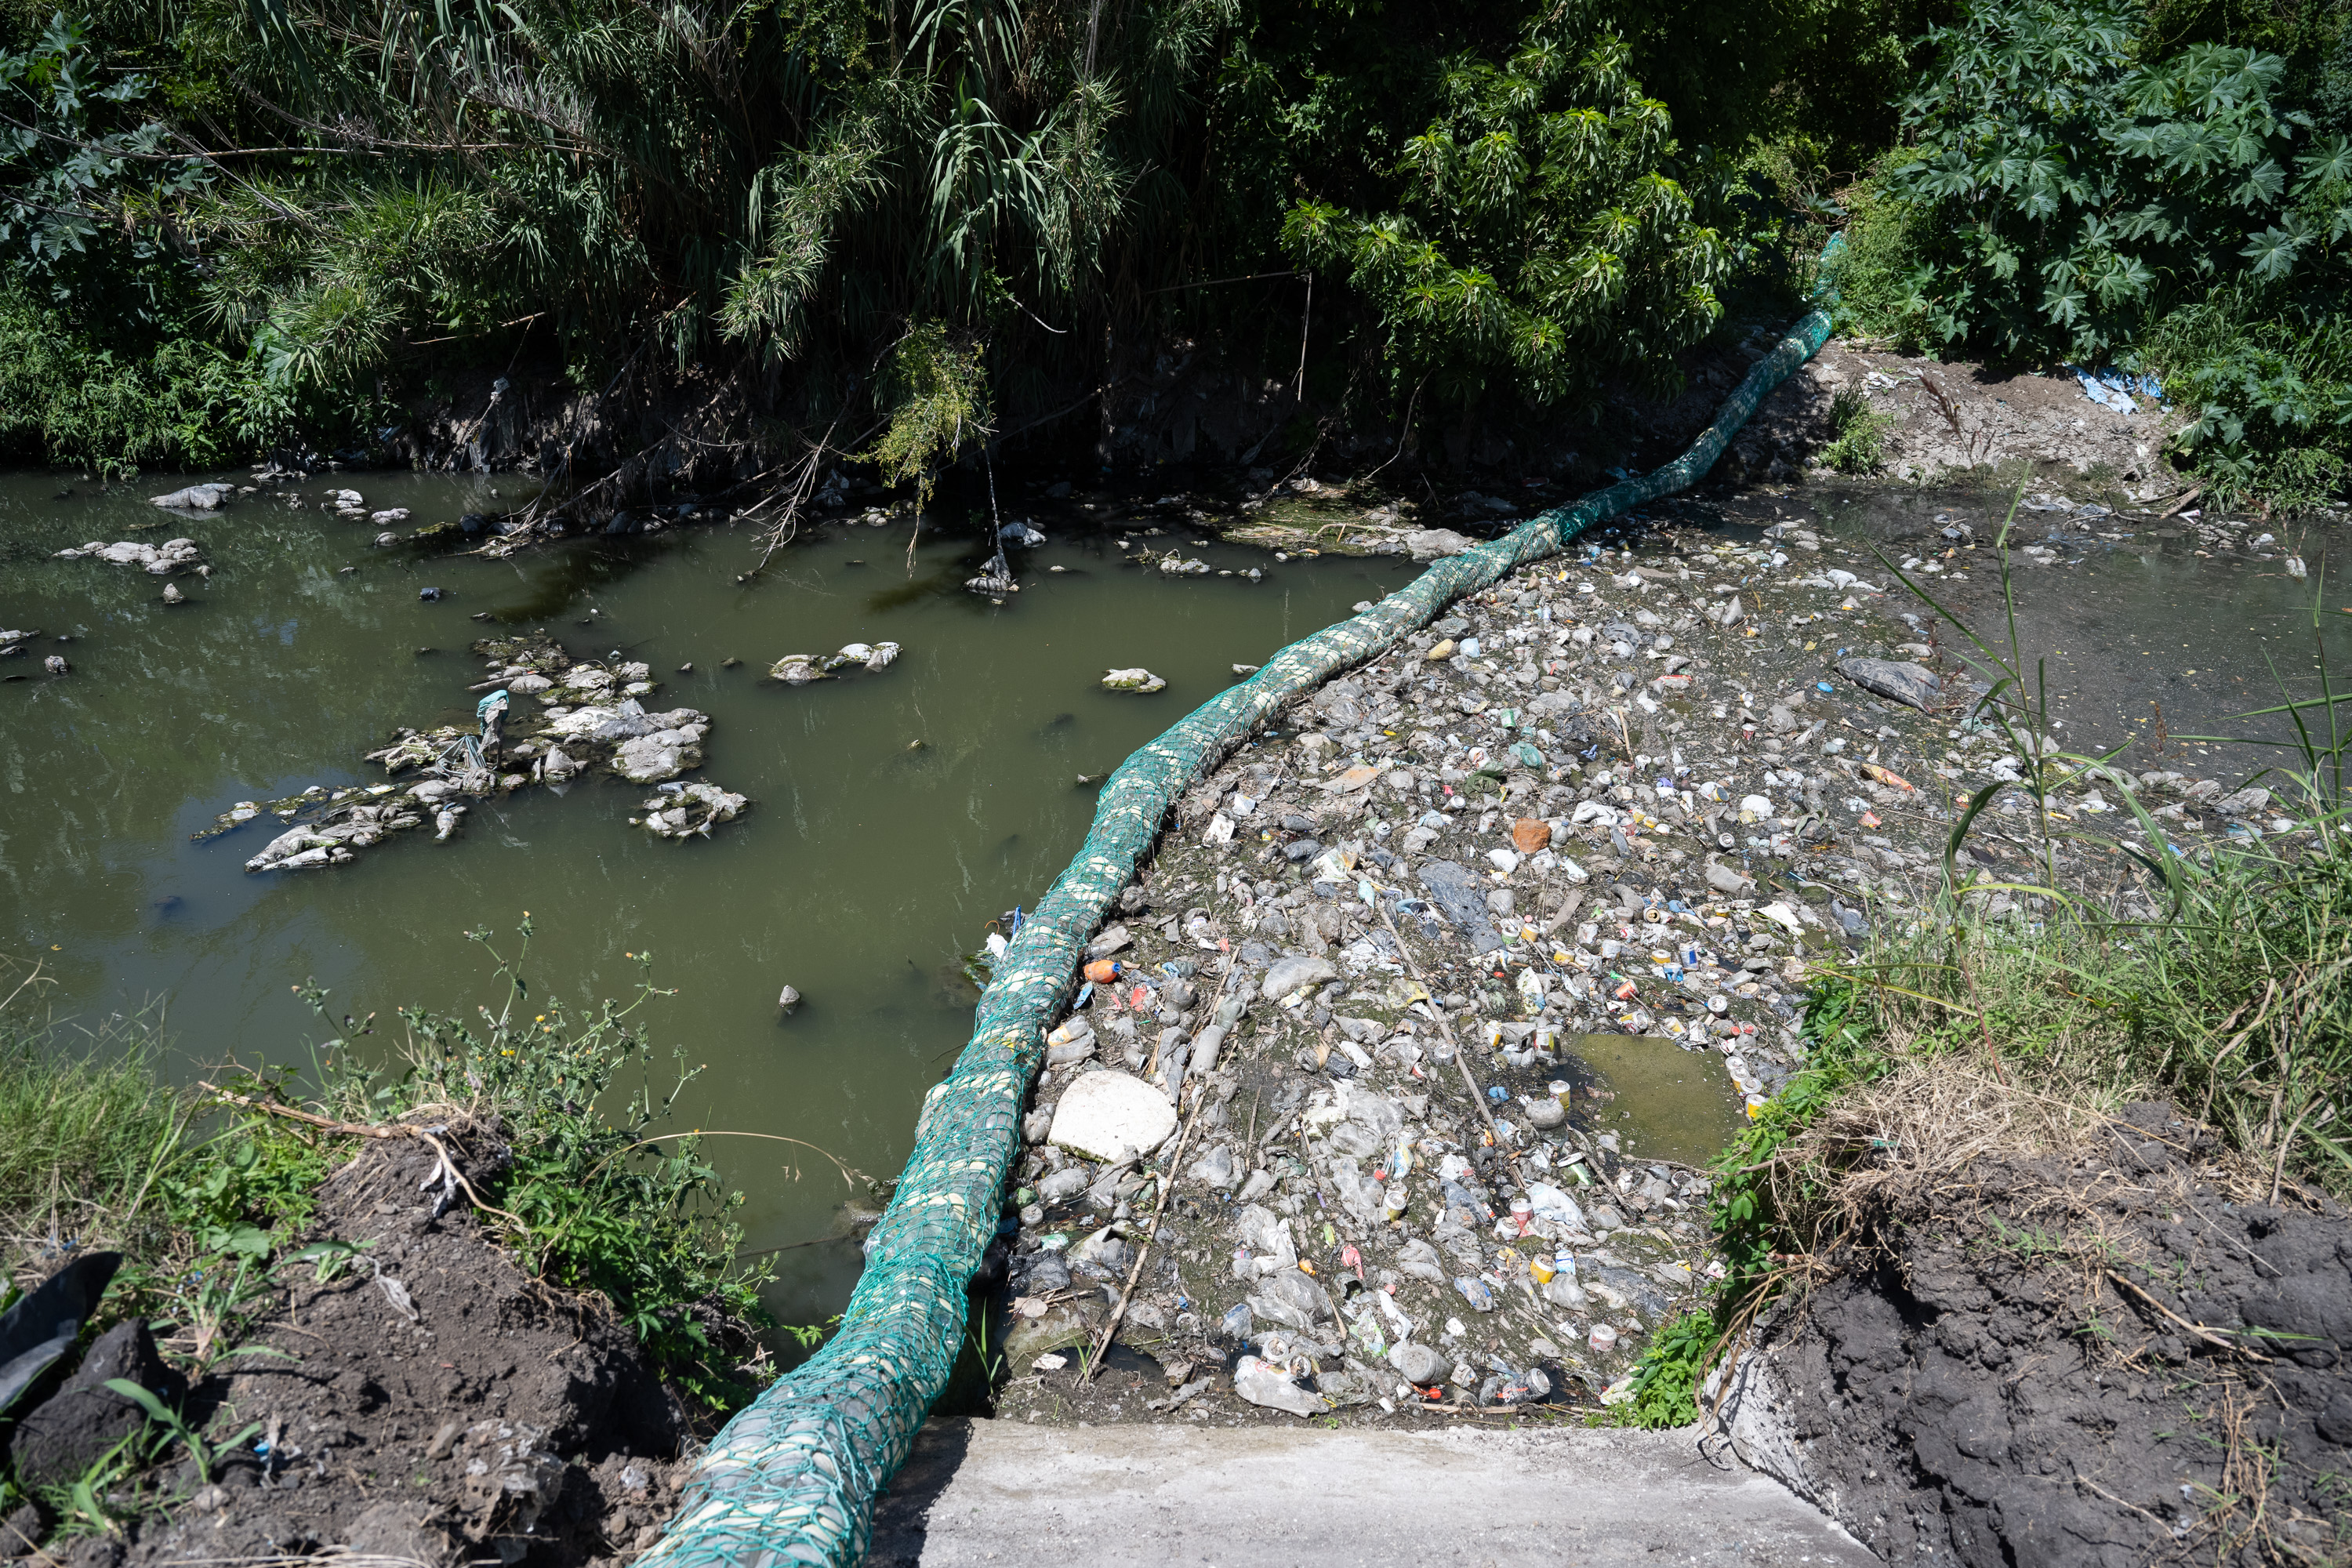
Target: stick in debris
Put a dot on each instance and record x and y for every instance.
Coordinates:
(1167, 1187)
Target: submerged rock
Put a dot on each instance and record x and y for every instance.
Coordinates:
(195, 498)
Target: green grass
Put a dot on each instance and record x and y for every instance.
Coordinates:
(179, 402)
(207, 1201)
(1860, 443)
(86, 1134)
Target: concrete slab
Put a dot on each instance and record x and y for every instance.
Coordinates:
(1204, 1497)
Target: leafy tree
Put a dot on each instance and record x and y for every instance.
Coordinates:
(2077, 191)
(81, 164)
(1533, 241)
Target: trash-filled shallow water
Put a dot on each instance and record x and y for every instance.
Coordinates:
(894, 814)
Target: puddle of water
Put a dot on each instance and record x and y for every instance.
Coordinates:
(1669, 1103)
(861, 874)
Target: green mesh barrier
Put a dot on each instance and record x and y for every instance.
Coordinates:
(793, 1479)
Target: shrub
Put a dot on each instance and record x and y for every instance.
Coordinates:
(1860, 446)
(1536, 243)
(2078, 191)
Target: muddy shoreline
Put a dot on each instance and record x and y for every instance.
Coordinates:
(427, 1403)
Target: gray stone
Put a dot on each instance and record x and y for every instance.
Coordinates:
(1138, 680)
(1295, 975)
(1417, 1363)
(1112, 1116)
(1260, 1384)
(1909, 683)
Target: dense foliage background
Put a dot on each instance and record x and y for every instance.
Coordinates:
(227, 223)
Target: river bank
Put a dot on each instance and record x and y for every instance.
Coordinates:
(478, 1308)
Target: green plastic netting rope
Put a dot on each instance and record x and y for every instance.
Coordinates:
(791, 1479)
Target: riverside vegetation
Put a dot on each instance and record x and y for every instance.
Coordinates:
(898, 233)
(279, 1254)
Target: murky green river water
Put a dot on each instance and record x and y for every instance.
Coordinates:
(862, 872)
(864, 867)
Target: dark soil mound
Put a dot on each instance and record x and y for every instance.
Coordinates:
(433, 1403)
(2111, 1360)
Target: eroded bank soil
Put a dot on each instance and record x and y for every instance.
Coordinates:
(431, 1404)
(2123, 1355)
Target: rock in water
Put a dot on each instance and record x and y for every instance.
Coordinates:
(796, 669)
(56, 665)
(1138, 680)
(787, 999)
(172, 595)
(196, 497)
(1909, 683)
(160, 560)
(1111, 1116)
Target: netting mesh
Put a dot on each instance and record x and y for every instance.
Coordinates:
(793, 1479)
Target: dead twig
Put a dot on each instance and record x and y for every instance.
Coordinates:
(1167, 1187)
(2208, 1335)
(1477, 1095)
(383, 1132)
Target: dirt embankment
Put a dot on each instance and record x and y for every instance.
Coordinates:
(2118, 1353)
(430, 1404)
(656, 438)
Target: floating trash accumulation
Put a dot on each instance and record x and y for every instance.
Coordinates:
(591, 717)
